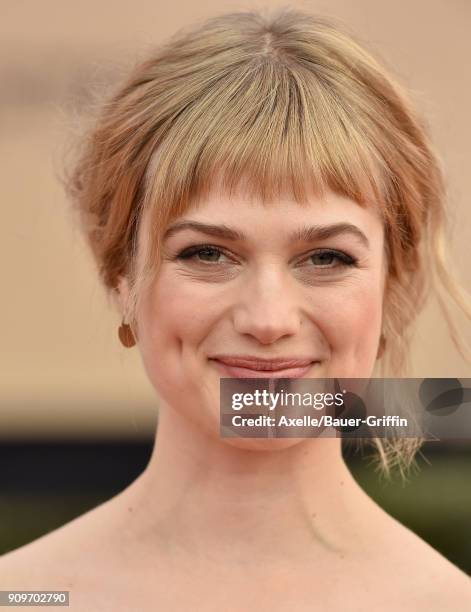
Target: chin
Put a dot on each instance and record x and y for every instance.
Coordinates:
(262, 444)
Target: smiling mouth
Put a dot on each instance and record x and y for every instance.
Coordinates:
(230, 371)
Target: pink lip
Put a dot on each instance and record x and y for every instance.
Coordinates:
(259, 370)
(262, 363)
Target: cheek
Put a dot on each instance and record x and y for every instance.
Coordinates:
(351, 324)
(173, 321)
(172, 313)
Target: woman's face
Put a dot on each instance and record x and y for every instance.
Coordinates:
(275, 281)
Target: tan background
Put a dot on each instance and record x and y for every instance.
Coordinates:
(63, 371)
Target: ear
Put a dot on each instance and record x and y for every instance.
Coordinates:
(121, 295)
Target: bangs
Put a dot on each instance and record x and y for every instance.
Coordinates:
(275, 130)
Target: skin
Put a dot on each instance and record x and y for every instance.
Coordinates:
(279, 523)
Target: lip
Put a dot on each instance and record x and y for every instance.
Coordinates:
(254, 367)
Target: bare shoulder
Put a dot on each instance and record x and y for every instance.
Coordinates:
(76, 557)
(442, 584)
(56, 559)
(432, 580)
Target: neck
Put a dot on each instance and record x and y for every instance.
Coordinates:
(201, 496)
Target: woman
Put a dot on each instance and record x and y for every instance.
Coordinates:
(259, 194)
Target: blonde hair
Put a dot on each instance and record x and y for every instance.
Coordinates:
(284, 101)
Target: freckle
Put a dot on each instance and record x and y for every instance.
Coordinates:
(341, 483)
(130, 509)
(313, 514)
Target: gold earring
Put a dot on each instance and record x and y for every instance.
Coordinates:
(125, 335)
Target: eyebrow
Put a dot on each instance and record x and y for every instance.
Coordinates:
(302, 234)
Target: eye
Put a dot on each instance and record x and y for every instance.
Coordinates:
(206, 254)
(326, 258)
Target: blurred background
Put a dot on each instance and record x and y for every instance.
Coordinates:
(78, 415)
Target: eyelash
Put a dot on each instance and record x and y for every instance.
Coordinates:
(344, 259)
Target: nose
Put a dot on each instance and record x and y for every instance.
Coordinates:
(268, 308)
